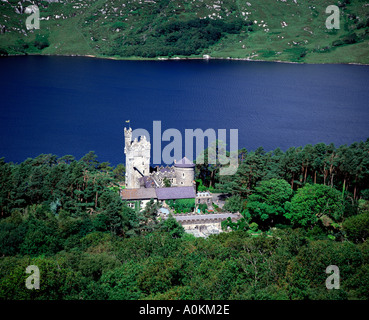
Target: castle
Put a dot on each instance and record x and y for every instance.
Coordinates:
(161, 183)
(167, 183)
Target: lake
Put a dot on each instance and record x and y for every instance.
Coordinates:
(71, 105)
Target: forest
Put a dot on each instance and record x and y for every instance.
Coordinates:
(178, 38)
(303, 209)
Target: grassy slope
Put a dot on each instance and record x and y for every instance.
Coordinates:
(94, 27)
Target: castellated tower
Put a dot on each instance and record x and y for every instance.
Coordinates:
(137, 156)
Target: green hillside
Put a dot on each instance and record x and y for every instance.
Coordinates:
(274, 30)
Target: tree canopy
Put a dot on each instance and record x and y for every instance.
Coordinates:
(303, 210)
(311, 202)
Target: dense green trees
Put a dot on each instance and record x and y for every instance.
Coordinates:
(41, 42)
(234, 204)
(176, 37)
(301, 214)
(49, 203)
(171, 226)
(157, 266)
(344, 168)
(268, 202)
(312, 202)
(357, 227)
(316, 187)
(63, 183)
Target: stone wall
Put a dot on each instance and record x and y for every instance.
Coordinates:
(184, 176)
(137, 155)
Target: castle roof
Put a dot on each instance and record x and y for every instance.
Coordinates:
(138, 194)
(184, 163)
(158, 193)
(147, 181)
(175, 193)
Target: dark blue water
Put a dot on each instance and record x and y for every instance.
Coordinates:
(71, 105)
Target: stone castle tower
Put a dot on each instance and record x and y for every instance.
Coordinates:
(137, 158)
(184, 172)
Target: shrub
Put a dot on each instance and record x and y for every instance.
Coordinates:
(357, 227)
(234, 204)
(41, 42)
(254, 226)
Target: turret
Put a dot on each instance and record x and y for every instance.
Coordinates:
(127, 138)
(137, 156)
(185, 172)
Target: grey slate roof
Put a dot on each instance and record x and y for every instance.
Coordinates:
(184, 163)
(175, 193)
(147, 182)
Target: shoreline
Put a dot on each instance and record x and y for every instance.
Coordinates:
(186, 58)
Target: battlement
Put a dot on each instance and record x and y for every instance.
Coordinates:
(141, 144)
(137, 145)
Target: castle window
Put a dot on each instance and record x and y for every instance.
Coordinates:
(181, 182)
(183, 174)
